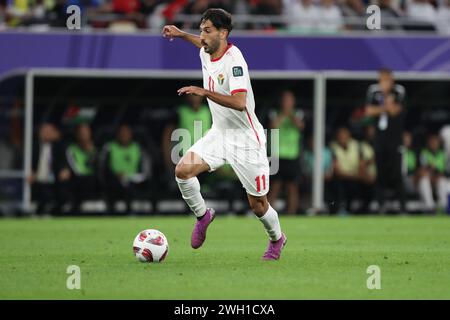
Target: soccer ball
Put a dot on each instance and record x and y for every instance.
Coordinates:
(150, 246)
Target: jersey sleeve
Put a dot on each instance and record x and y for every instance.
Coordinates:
(238, 74)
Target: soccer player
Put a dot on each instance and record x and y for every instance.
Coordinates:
(236, 136)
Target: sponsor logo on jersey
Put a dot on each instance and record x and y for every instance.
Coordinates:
(238, 72)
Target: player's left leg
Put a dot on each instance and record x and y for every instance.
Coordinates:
(269, 218)
(253, 170)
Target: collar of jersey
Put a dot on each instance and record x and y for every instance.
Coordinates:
(228, 47)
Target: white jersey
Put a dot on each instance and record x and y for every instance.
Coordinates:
(228, 75)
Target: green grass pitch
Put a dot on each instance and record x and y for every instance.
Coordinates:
(325, 258)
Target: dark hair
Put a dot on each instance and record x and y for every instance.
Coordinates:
(220, 18)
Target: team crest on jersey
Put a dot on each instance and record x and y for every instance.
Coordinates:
(220, 79)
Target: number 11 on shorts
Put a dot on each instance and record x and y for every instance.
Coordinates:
(258, 183)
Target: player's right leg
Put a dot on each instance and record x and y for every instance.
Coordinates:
(186, 173)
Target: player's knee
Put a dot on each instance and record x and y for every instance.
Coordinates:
(183, 171)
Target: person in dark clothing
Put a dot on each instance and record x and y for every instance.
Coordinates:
(124, 168)
(385, 102)
(45, 178)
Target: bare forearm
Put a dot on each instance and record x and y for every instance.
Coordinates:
(192, 38)
(233, 102)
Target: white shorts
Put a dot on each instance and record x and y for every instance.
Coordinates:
(248, 160)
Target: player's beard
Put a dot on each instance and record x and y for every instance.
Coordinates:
(211, 47)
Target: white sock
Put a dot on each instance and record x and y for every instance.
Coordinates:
(271, 224)
(426, 192)
(190, 191)
(441, 188)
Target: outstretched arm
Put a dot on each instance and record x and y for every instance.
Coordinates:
(236, 101)
(170, 31)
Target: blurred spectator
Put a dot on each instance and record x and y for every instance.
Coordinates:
(433, 162)
(17, 10)
(354, 12)
(7, 160)
(57, 14)
(410, 164)
(302, 15)
(331, 20)
(267, 8)
(130, 16)
(346, 163)
(368, 168)
(149, 8)
(3, 14)
(443, 18)
(81, 157)
(422, 11)
(289, 121)
(353, 8)
(47, 163)
(389, 16)
(198, 7)
(124, 168)
(445, 136)
(186, 116)
(195, 7)
(385, 102)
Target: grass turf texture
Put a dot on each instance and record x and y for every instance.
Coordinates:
(325, 258)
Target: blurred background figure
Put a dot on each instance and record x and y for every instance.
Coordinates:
(302, 15)
(385, 102)
(433, 177)
(368, 168)
(81, 167)
(124, 168)
(330, 17)
(389, 15)
(288, 119)
(354, 10)
(410, 165)
(423, 12)
(443, 17)
(272, 8)
(47, 163)
(346, 167)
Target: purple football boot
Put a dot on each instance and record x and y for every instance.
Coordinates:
(273, 251)
(199, 233)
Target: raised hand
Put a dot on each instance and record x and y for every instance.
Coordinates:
(171, 32)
